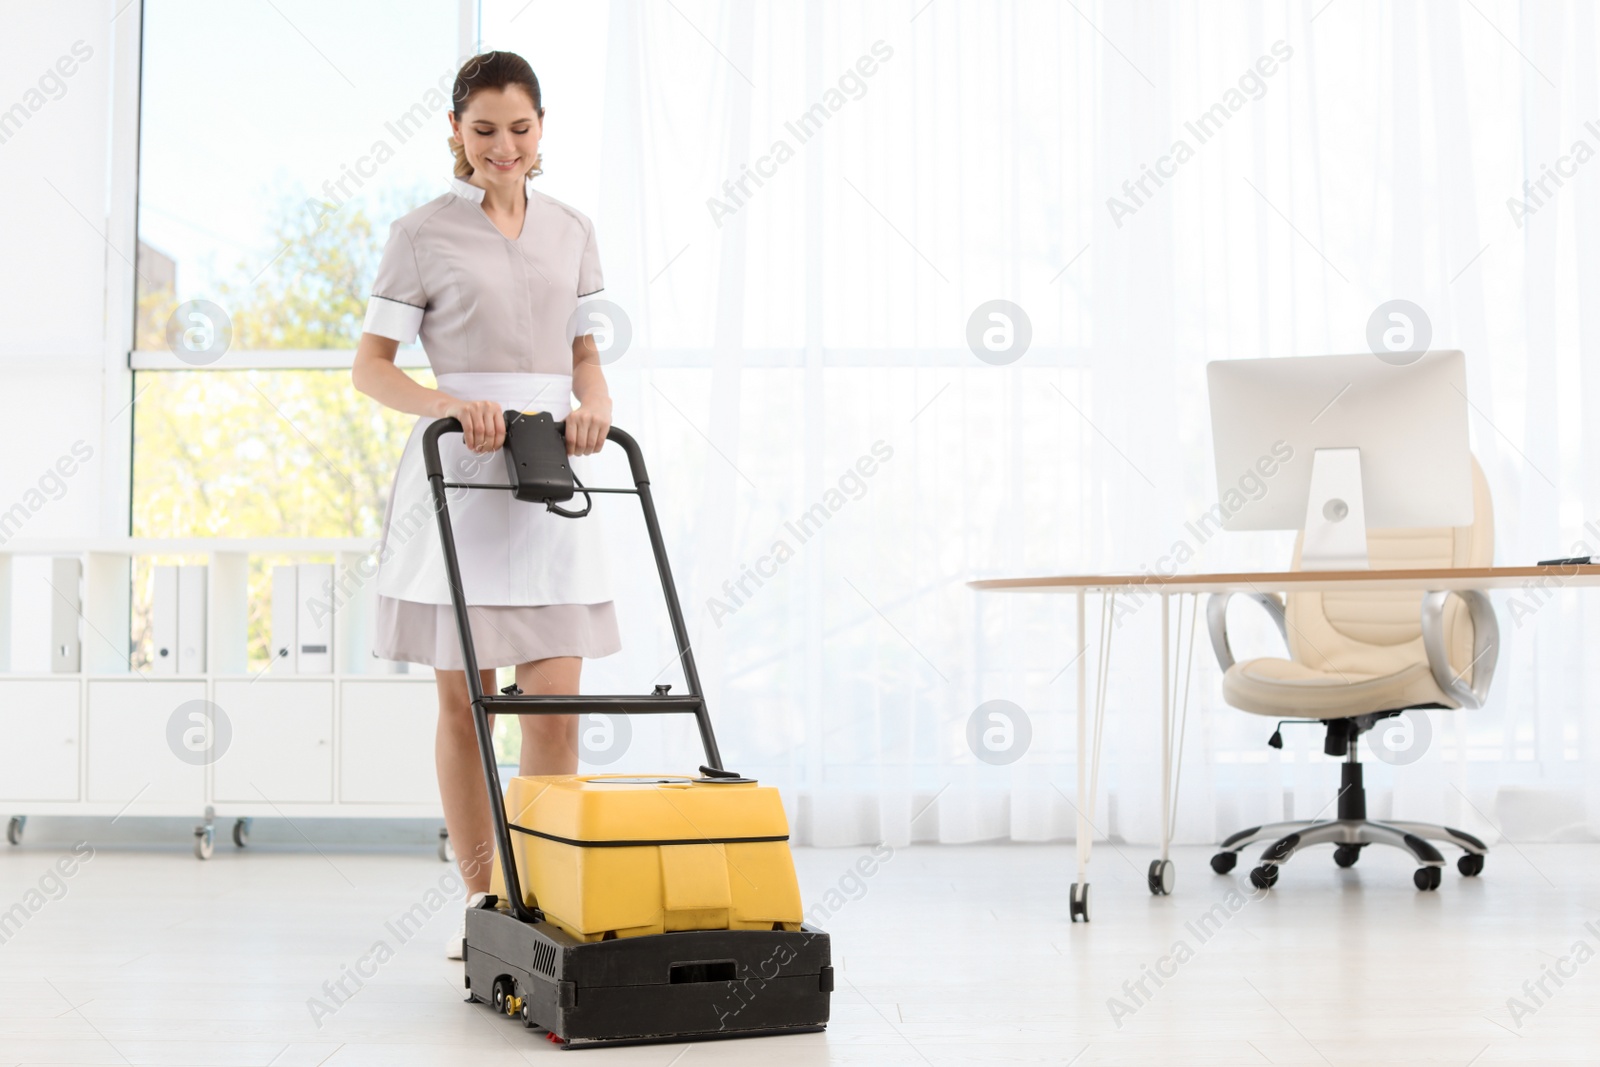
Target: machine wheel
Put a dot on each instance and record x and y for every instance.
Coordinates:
(1346, 855)
(1264, 876)
(502, 991)
(1470, 865)
(204, 842)
(241, 832)
(1078, 902)
(526, 1014)
(14, 829)
(1223, 862)
(446, 853)
(1427, 879)
(1161, 877)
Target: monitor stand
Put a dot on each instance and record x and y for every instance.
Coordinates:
(1336, 515)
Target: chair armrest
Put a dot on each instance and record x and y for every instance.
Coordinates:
(1217, 622)
(1485, 646)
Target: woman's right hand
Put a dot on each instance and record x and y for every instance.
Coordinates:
(483, 424)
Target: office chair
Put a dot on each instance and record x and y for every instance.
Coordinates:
(1356, 658)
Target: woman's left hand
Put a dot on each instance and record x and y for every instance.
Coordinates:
(587, 427)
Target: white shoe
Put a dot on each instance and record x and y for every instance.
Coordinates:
(454, 948)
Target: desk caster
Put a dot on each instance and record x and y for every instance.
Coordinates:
(1470, 865)
(1078, 902)
(204, 842)
(1223, 862)
(1162, 877)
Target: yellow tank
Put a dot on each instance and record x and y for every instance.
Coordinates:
(612, 855)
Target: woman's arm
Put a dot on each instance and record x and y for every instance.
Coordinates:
(589, 423)
(374, 373)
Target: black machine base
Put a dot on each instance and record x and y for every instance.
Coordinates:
(690, 985)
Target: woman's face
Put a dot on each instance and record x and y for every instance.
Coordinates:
(500, 132)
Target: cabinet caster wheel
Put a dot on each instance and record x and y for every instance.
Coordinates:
(1161, 877)
(1223, 862)
(1264, 876)
(241, 832)
(1078, 902)
(1427, 878)
(1346, 855)
(1470, 865)
(446, 853)
(204, 842)
(14, 829)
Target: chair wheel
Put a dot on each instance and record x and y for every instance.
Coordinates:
(1470, 865)
(1427, 878)
(1264, 876)
(1223, 862)
(1078, 902)
(1161, 877)
(1346, 855)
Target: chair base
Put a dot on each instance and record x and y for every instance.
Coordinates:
(1350, 836)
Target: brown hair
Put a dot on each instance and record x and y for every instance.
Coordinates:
(491, 70)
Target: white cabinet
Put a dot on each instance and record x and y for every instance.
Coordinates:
(39, 739)
(280, 748)
(149, 742)
(386, 731)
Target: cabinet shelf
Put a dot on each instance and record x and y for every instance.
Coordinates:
(109, 740)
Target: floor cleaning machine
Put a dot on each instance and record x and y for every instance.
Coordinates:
(628, 909)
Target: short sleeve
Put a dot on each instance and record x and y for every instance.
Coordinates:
(398, 299)
(589, 279)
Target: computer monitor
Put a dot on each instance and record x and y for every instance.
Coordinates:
(1333, 445)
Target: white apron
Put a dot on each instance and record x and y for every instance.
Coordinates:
(511, 552)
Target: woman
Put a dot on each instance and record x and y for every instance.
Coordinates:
(490, 275)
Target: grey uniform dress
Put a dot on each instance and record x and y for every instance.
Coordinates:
(497, 318)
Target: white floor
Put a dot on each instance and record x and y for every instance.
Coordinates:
(947, 955)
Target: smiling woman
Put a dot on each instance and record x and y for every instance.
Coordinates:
(489, 276)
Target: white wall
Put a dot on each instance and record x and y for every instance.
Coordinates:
(66, 224)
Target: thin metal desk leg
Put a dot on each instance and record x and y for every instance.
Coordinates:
(1166, 724)
(1079, 901)
(1162, 876)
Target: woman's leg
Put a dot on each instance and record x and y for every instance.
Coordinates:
(550, 742)
(461, 786)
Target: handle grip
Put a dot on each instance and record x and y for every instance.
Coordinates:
(440, 427)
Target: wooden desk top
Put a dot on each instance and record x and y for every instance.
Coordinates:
(1429, 578)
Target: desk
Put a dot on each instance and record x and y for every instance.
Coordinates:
(1111, 586)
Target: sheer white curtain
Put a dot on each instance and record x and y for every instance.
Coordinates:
(800, 206)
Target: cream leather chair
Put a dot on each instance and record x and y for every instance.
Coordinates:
(1359, 657)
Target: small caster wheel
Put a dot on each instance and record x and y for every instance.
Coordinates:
(1264, 876)
(1223, 862)
(1161, 877)
(1078, 902)
(1346, 855)
(446, 853)
(1470, 865)
(204, 842)
(526, 1014)
(14, 829)
(241, 832)
(1427, 879)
